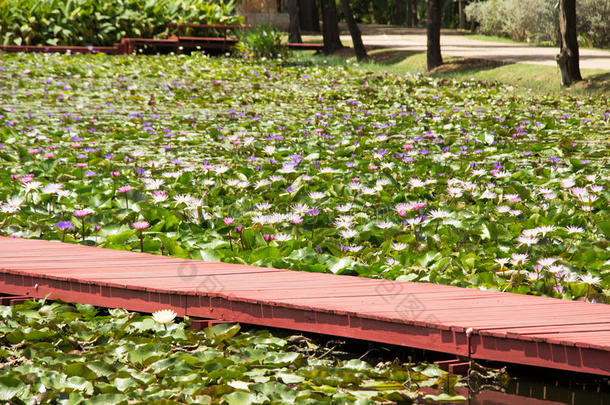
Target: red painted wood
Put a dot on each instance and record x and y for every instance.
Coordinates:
(489, 397)
(303, 46)
(129, 45)
(208, 26)
(60, 49)
(466, 322)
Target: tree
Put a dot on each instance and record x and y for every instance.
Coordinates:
(330, 26)
(354, 31)
(568, 59)
(433, 31)
(308, 15)
(411, 13)
(399, 16)
(462, 14)
(294, 30)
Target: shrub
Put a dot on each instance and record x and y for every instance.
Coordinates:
(102, 22)
(594, 21)
(531, 21)
(537, 20)
(489, 14)
(263, 41)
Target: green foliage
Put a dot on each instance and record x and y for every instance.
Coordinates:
(534, 21)
(537, 20)
(594, 23)
(262, 41)
(102, 22)
(384, 11)
(127, 358)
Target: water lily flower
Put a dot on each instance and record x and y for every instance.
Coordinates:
(140, 225)
(518, 259)
(574, 229)
(439, 214)
(282, 237)
(398, 246)
(385, 224)
(82, 213)
(263, 206)
(527, 240)
(164, 316)
(316, 195)
(547, 261)
(502, 261)
(348, 233)
(590, 279)
(64, 225)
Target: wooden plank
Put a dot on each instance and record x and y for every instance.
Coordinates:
(60, 49)
(485, 324)
(207, 26)
(304, 46)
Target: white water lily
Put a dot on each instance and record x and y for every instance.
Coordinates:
(439, 214)
(527, 240)
(349, 233)
(282, 237)
(589, 279)
(574, 229)
(164, 316)
(316, 195)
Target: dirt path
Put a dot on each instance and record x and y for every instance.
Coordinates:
(454, 44)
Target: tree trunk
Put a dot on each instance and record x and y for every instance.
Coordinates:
(462, 14)
(354, 31)
(433, 30)
(568, 59)
(294, 30)
(308, 15)
(330, 27)
(399, 17)
(409, 13)
(315, 15)
(413, 13)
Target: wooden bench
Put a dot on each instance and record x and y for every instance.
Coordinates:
(303, 46)
(129, 45)
(175, 29)
(228, 41)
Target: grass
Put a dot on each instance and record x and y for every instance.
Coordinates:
(582, 44)
(523, 77)
(504, 40)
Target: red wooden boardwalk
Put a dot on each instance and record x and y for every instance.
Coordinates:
(149, 45)
(466, 322)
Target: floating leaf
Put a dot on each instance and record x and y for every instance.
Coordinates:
(11, 387)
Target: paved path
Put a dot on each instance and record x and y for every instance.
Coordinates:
(454, 44)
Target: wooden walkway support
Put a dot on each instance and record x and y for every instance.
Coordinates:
(468, 323)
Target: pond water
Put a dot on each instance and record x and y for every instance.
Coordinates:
(532, 389)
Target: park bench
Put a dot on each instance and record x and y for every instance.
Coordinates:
(175, 29)
(219, 32)
(304, 46)
(216, 35)
(129, 45)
